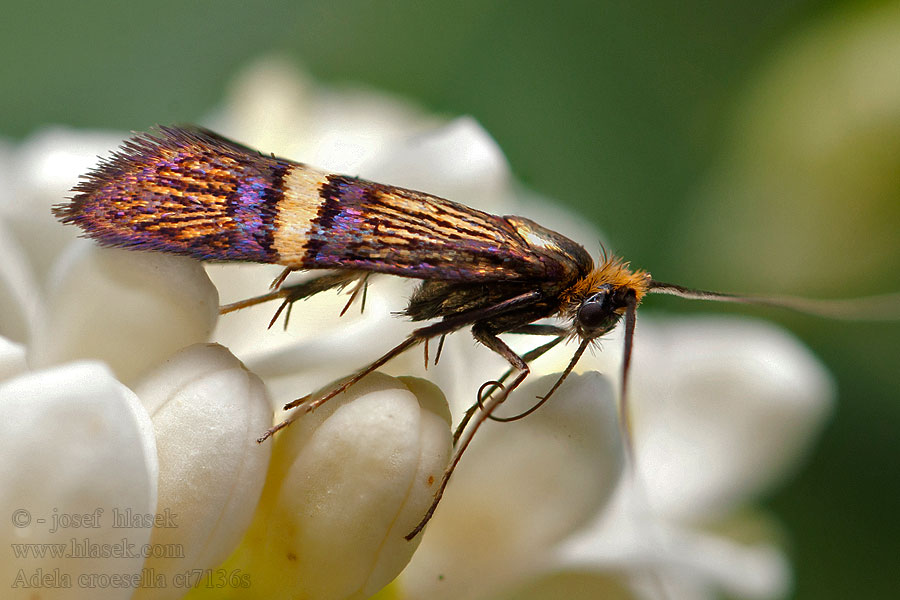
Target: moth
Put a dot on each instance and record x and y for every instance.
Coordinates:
(189, 191)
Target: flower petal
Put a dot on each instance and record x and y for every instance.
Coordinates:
(687, 564)
(76, 446)
(207, 411)
(129, 309)
(571, 585)
(273, 106)
(347, 482)
(20, 301)
(723, 408)
(520, 489)
(12, 359)
(459, 160)
(46, 167)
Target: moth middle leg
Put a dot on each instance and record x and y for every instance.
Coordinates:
(300, 291)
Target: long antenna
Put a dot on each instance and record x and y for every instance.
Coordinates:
(885, 307)
(648, 528)
(624, 409)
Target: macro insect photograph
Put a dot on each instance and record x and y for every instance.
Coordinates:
(450, 300)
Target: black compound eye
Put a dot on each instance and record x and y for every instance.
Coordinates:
(595, 311)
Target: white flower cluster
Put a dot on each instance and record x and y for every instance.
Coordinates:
(128, 438)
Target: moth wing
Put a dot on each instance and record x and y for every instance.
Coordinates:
(374, 227)
(189, 191)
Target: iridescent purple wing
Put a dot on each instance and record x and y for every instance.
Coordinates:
(192, 192)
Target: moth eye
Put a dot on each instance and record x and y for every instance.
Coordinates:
(595, 311)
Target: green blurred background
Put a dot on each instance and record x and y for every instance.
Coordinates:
(748, 146)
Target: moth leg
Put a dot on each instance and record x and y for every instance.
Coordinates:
(447, 325)
(308, 404)
(483, 335)
(294, 292)
(419, 335)
(533, 354)
(362, 284)
(518, 363)
(440, 348)
(276, 283)
(540, 329)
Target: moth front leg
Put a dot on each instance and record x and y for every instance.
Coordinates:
(560, 332)
(483, 333)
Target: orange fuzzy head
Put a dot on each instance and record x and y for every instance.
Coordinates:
(597, 301)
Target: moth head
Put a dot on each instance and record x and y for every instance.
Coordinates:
(598, 301)
(601, 311)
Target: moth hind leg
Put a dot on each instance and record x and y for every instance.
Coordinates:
(308, 403)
